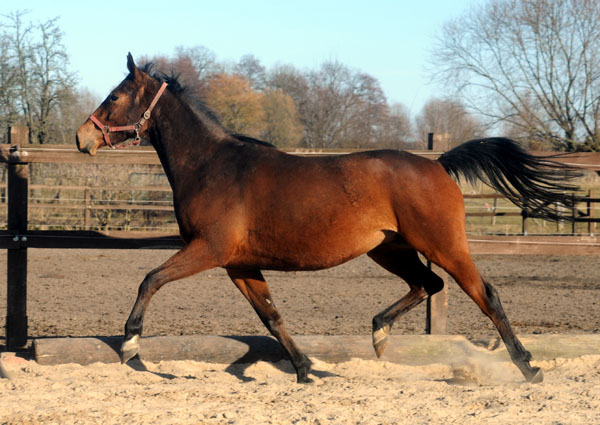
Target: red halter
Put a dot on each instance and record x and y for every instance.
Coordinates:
(106, 130)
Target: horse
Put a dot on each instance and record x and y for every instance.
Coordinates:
(245, 206)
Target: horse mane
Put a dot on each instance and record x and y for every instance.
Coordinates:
(204, 112)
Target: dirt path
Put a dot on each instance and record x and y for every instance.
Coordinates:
(90, 292)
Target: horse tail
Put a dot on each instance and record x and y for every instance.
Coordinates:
(535, 184)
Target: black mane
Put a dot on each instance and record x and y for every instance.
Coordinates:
(197, 104)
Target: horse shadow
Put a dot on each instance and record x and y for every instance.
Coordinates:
(259, 349)
(265, 349)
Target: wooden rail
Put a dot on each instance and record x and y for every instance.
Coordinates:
(18, 237)
(86, 204)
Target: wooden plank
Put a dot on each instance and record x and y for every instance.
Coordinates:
(62, 156)
(103, 207)
(483, 196)
(493, 214)
(99, 188)
(147, 155)
(140, 155)
(235, 349)
(535, 245)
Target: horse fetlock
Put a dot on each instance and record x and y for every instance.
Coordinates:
(130, 348)
(381, 339)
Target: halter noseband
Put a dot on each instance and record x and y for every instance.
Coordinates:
(106, 130)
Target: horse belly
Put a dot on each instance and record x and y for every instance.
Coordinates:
(307, 248)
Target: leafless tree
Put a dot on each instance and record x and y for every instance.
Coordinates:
(250, 67)
(448, 118)
(203, 59)
(532, 66)
(339, 107)
(395, 129)
(35, 71)
(52, 80)
(9, 113)
(73, 110)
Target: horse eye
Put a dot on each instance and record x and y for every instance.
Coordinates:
(113, 98)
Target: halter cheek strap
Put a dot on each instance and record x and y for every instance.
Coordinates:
(106, 130)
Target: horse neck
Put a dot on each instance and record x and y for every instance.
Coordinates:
(183, 140)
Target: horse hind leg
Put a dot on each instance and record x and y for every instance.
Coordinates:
(465, 273)
(406, 264)
(254, 287)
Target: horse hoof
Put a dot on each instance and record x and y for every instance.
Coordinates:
(305, 380)
(381, 339)
(129, 349)
(536, 376)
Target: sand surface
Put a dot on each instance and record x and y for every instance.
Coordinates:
(354, 392)
(90, 292)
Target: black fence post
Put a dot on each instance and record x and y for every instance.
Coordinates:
(16, 276)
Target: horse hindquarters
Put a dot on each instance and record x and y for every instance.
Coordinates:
(435, 227)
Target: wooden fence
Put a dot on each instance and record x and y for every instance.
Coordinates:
(18, 237)
(80, 208)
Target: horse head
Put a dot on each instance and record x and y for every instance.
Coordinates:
(122, 118)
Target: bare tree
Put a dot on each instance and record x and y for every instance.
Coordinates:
(52, 80)
(449, 118)
(250, 67)
(530, 65)
(395, 129)
(75, 107)
(34, 71)
(9, 113)
(290, 80)
(338, 106)
(203, 59)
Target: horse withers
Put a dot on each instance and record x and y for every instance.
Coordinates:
(245, 206)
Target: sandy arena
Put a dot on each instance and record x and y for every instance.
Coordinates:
(89, 292)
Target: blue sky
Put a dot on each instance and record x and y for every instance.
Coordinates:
(387, 39)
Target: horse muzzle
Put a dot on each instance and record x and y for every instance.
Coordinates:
(86, 144)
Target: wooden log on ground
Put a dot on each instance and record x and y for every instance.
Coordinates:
(403, 349)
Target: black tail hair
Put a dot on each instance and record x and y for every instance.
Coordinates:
(531, 182)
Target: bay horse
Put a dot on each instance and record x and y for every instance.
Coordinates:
(245, 206)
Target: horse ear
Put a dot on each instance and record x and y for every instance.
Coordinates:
(131, 64)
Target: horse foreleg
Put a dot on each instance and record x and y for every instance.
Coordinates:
(190, 260)
(254, 287)
(406, 264)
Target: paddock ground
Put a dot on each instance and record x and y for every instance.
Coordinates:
(90, 292)
(83, 293)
